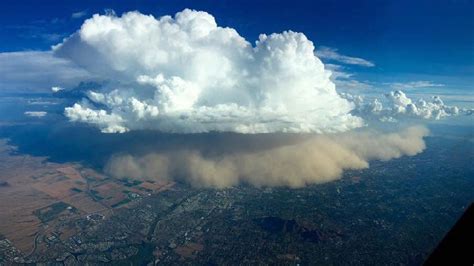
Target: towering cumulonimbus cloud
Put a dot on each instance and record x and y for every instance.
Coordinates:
(185, 74)
(309, 160)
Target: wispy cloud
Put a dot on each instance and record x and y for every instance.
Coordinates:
(35, 113)
(353, 84)
(333, 54)
(413, 85)
(47, 31)
(338, 72)
(346, 80)
(79, 14)
(110, 12)
(36, 71)
(51, 37)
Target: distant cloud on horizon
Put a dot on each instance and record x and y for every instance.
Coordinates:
(397, 105)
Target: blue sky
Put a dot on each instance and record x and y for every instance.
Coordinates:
(407, 41)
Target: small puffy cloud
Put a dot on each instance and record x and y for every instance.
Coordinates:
(110, 123)
(397, 105)
(434, 109)
(35, 113)
(37, 72)
(186, 74)
(414, 85)
(56, 89)
(332, 54)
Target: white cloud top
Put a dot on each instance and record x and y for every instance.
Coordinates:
(186, 74)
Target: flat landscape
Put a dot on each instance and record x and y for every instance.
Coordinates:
(38, 198)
